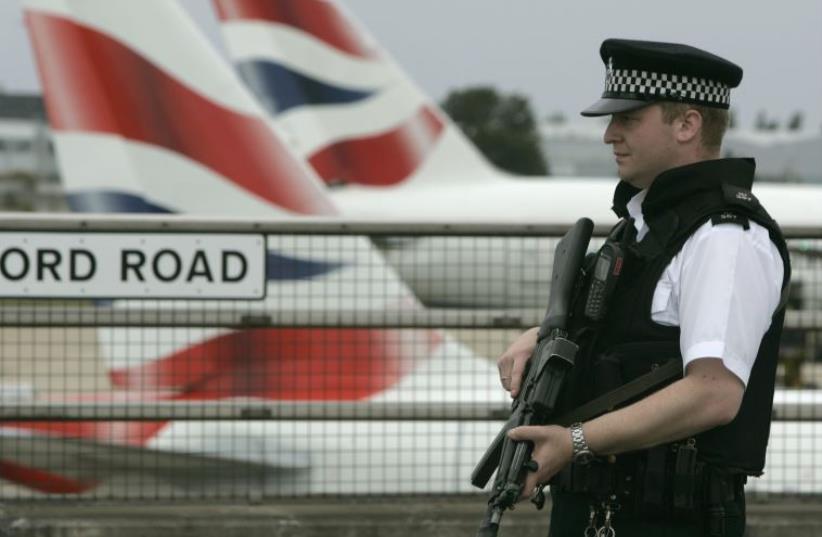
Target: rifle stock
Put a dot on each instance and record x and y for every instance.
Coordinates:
(568, 257)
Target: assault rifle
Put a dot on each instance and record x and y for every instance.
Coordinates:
(545, 372)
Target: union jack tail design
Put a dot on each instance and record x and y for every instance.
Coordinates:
(348, 108)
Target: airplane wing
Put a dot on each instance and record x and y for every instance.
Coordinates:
(60, 465)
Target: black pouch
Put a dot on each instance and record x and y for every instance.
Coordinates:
(596, 480)
(715, 492)
(580, 478)
(685, 478)
(652, 499)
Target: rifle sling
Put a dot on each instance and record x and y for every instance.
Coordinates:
(607, 402)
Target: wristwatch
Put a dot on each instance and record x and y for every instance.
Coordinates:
(582, 453)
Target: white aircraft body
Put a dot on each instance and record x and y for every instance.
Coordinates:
(388, 151)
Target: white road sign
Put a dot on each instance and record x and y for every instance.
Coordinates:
(132, 265)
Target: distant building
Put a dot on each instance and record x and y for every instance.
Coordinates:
(784, 156)
(29, 179)
(577, 149)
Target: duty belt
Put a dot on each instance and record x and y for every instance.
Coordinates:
(666, 483)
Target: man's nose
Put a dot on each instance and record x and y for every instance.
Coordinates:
(611, 133)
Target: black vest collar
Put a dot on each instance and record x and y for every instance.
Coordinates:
(672, 185)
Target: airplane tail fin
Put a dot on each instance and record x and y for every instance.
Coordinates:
(143, 124)
(349, 109)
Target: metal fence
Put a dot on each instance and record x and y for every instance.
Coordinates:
(367, 368)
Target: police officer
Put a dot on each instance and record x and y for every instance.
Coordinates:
(703, 282)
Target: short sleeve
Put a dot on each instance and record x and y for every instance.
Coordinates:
(730, 284)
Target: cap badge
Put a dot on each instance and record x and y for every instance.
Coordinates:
(609, 74)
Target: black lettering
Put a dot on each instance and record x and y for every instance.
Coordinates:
(50, 264)
(199, 257)
(127, 263)
(4, 268)
(74, 273)
(243, 265)
(178, 265)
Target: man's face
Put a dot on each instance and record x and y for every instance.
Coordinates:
(643, 144)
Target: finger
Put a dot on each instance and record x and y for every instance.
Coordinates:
(516, 374)
(504, 368)
(506, 383)
(522, 433)
(529, 485)
(505, 380)
(504, 362)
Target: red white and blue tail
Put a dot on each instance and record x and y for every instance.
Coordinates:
(348, 108)
(153, 121)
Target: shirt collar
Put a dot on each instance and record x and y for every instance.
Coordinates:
(669, 187)
(634, 207)
(670, 184)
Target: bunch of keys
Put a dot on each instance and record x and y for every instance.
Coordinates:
(606, 530)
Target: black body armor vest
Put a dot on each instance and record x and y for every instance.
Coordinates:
(628, 343)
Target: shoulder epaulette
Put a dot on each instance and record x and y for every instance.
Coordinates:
(729, 217)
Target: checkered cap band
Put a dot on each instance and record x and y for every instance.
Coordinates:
(633, 83)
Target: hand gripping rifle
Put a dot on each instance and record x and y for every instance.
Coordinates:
(543, 378)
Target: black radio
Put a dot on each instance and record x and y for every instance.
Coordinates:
(607, 268)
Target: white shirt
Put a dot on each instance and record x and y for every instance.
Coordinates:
(721, 289)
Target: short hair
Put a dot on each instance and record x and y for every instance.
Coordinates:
(714, 121)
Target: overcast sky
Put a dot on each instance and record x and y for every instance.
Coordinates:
(548, 50)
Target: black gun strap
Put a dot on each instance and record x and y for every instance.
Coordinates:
(607, 402)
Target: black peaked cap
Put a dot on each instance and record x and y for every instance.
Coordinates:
(642, 72)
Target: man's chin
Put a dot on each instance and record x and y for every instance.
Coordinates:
(633, 180)
(625, 176)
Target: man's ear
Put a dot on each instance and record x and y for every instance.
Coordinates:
(688, 126)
